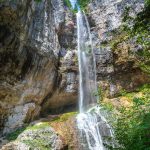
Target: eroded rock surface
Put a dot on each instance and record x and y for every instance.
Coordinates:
(117, 67)
(39, 136)
(29, 61)
(38, 56)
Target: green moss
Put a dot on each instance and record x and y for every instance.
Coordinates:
(75, 59)
(38, 126)
(120, 38)
(137, 29)
(104, 42)
(107, 106)
(144, 89)
(114, 44)
(64, 117)
(124, 93)
(13, 135)
(37, 143)
(140, 30)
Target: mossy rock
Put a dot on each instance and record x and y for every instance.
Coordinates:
(39, 136)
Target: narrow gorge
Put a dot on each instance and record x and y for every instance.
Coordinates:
(75, 75)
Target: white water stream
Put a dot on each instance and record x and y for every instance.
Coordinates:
(87, 65)
(94, 129)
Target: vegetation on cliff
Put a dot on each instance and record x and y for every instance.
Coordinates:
(81, 3)
(136, 29)
(141, 32)
(42, 135)
(132, 123)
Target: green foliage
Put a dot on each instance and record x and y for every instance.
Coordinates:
(37, 143)
(81, 3)
(38, 126)
(107, 106)
(100, 93)
(132, 128)
(137, 28)
(144, 89)
(119, 35)
(140, 31)
(33, 142)
(13, 136)
(67, 3)
(37, 0)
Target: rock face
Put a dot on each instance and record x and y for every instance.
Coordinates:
(40, 136)
(116, 66)
(66, 91)
(29, 61)
(38, 56)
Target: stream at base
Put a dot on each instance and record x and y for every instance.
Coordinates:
(94, 131)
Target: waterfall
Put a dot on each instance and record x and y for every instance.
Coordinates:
(87, 65)
(94, 129)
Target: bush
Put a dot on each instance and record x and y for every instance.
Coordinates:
(132, 124)
(81, 3)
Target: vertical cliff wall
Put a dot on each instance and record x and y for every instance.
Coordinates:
(117, 67)
(30, 51)
(38, 56)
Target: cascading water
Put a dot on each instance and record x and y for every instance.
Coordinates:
(93, 127)
(87, 66)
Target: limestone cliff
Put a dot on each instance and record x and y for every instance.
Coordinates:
(116, 66)
(38, 56)
(29, 61)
